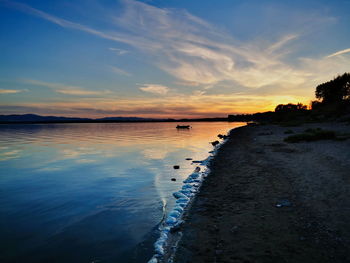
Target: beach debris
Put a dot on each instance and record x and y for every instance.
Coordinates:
(176, 166)
(283, 203)
(189, 159)
(214, 143)
(173, 179)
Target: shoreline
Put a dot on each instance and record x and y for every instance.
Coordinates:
(266, 200)
(170, 233)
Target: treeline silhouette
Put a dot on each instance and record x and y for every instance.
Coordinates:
(332, 102)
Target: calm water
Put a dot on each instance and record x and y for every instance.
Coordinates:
(92, 192)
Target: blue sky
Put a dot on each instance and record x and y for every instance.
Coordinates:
(175, 58)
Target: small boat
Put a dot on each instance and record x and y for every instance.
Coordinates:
(183, 126)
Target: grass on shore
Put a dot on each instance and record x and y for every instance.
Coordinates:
(312, 135)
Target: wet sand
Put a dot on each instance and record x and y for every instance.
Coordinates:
(236, 218)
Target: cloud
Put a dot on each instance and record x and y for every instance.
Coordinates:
(65, 89)
(155, 89)
(282, 42)
(118, 37)
(205, 57)
(344, 51)
(54, 19)
(10, 91)
(187, 83)
(194, 51)
(79, 92)
(120, 71)
(118, 51)
(8, 155)
(47, 84)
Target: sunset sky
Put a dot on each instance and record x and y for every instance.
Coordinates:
(167, 58)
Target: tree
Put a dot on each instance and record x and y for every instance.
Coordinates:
(334, 91)
(315, 104)
(290, 107)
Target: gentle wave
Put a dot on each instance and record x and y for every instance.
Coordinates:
(184, 198)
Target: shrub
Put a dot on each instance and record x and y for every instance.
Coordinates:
(311, 135)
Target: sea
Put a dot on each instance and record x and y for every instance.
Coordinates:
(94, 192)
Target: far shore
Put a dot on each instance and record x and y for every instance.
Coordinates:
(38, 119)
(267, 200)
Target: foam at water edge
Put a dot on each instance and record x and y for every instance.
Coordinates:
(184, 196)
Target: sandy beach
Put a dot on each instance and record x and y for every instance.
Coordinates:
(271, 201)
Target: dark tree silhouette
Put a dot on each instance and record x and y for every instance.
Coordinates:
(315, 104)
(334, 91)
(290, 107)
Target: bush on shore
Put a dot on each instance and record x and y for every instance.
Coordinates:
(311, 135)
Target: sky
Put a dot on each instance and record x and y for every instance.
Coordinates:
(167, 58)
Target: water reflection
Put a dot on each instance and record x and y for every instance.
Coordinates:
(88, 192)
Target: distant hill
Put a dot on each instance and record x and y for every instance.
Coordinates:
(37, 118)
(125, 119)
(33, 118)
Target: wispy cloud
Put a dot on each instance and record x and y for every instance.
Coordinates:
(56, 20)
(47, 84)
(187, 83)
(7, 155)
(10, 91)
(155, 89)
(120, 71)
(79, 92)
(202, 56)
(281, 43)
(118, 51)
(344, 51)
(194, 51)
(115, 36)
(65, 89)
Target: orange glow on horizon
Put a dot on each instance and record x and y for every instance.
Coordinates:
(203, 106)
